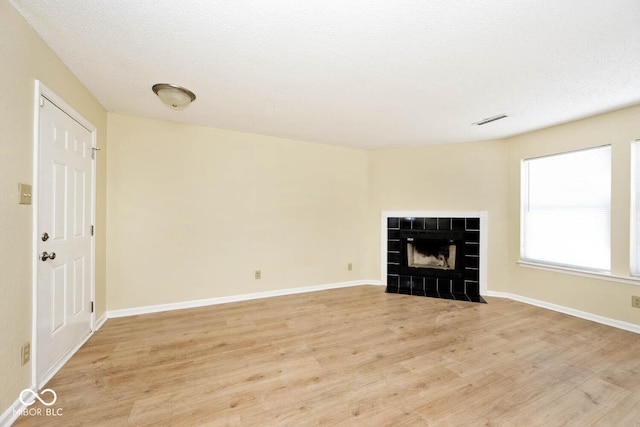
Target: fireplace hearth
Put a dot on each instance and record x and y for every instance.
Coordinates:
(434, 257)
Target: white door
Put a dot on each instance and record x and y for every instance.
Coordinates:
(64, 233)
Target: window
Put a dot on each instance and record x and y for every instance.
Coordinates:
(635, 208)
(566, 209)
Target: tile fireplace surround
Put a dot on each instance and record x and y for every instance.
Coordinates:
(467, 230)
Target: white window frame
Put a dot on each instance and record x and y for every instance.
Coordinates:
(634, 228)
(524, 182)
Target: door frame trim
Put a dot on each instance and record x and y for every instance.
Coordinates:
(43, 91)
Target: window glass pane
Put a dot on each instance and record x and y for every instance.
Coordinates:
(566, 204)
(635, 208)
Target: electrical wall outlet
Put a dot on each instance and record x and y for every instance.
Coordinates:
(26, 353)
(635, 301)
(258, 274)
(350, 266)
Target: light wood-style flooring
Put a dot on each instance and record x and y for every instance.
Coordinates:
(351, 357)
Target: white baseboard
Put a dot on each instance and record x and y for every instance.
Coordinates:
(234, 298)
(280, 292)
(12, 413)
(100, 321)
(570, 311)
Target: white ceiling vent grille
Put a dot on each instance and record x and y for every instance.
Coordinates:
(490, 119)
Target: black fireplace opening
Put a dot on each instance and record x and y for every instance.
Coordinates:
(434, 257)
(432, 253)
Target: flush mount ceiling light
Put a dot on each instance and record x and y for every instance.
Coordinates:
(490, 119)
(174, 96)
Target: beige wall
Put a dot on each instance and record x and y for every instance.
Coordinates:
(24, 57)
(451, 177)
(194, 211)
(601, 297)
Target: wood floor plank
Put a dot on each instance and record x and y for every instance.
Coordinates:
(350, 357)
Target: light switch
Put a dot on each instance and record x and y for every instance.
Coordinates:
(24, 194)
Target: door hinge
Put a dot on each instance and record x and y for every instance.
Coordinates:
(91, 307)
(42, 101)
(92, 229)
(93, 152)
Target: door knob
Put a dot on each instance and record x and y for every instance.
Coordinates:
(45, 256)
(45, 237)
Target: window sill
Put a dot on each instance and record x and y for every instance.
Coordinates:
(631, 280)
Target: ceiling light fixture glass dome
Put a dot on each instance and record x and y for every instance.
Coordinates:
(174, 96)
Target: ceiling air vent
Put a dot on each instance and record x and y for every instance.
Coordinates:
(490, 119)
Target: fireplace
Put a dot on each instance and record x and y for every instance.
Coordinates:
(434, 256)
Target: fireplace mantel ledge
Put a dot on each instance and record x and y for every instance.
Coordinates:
(631, 280)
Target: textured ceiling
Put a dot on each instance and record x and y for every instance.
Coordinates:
(367, 74)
